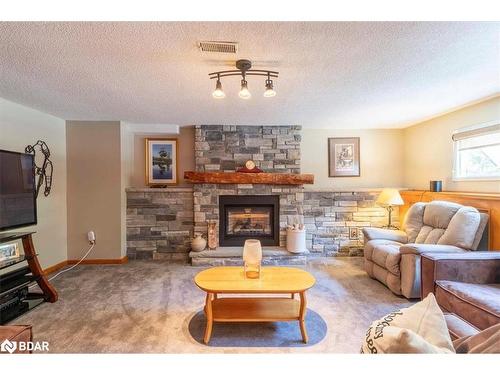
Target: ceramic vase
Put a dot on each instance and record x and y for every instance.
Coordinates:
(198, 243)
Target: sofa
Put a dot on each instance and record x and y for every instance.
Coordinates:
(393, 256)
(467, 288)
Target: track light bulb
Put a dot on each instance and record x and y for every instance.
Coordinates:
(269, 89)
(218, 93)
(244, 93)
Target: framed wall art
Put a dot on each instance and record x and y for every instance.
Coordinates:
(343, 157)
(161, 161)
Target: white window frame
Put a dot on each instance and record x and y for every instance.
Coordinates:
(479, 129)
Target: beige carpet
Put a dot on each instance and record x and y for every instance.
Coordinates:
(145, 307)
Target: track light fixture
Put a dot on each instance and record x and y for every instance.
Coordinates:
(243, 69)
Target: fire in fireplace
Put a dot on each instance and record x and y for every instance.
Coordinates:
(248, 216)
(249, 221)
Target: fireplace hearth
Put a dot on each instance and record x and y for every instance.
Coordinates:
(249, 216)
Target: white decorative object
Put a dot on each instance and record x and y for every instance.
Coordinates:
(9, 251)
(198, 243)
(420, 328)
(296, 240)
(252, 258)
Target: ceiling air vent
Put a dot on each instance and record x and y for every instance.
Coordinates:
(221, 47)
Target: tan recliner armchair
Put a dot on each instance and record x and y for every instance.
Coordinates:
(393, 256)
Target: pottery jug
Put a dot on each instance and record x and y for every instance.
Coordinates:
(198, 243)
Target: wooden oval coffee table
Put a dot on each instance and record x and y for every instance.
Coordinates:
(273, 280)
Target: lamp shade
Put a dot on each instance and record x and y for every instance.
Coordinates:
(252, 252)
(390, 197)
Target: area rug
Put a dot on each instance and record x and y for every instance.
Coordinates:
(272, 334)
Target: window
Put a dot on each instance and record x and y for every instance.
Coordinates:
(477, 152)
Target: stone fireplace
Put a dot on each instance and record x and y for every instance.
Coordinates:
(161, 222)
(274, 149)
(250, 216)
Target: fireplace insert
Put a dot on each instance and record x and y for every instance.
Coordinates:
(248, 216)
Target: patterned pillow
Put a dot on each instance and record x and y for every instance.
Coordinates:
(420, 328)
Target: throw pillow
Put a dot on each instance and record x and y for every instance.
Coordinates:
(420, 328)
(487, 341)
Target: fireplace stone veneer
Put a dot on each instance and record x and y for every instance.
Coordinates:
(225, 148)
(160, 222)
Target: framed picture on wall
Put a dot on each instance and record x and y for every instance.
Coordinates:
(343, 157)
(161, 161)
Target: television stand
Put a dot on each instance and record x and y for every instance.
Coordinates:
(49, 293)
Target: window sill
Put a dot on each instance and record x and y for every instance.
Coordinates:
(462, 179)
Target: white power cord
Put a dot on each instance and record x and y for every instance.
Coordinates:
(77, 263)
(92, 244)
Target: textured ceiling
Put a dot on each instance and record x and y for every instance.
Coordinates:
(332, 75)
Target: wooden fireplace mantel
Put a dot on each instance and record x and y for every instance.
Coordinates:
(248, 178)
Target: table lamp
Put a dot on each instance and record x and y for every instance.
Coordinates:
(389, 198)
(252, 257)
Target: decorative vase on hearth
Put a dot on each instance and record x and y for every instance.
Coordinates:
(198, 243)
(212, 234)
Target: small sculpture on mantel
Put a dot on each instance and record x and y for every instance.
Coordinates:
(250, 167)
(212, 234)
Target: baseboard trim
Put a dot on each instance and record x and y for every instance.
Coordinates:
(100, 261)
(58, 266)
(55, 267)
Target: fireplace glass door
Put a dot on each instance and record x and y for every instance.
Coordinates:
(249, 217)
(249, 221)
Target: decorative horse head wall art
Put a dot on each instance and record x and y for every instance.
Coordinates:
(44, 172)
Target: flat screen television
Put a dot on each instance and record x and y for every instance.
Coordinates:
(17, 190)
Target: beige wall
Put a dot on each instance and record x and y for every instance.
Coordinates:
(20, 126)
(428, 148)
(381, 154)
(94, 188)
(186, 154)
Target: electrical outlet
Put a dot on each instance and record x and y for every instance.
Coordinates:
(91, 237)
(353, 233)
